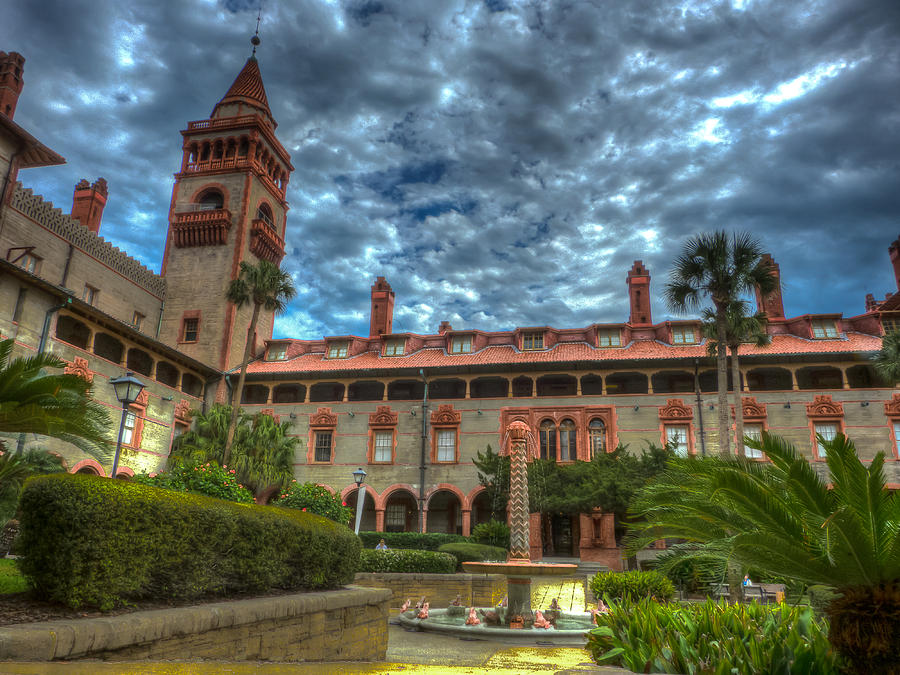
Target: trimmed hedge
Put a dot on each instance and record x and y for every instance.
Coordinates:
(406, 560)
(427, 541)
(473, 552)
(634, 585)
(87, 540)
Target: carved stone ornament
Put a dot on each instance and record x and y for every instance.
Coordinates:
(271, 413)
(183, 411)
(323, 417)
(518, 432)
(892, 407)
(445, 415)
(823, 406)
(752, 409)
(143, 398)
(80, 368)
(676, 411)
(383, 417)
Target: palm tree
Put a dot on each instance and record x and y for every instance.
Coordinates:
(741, 328)
(887, 361)
(15, 468)
(712, 266)
(33, 401)
(266, 287)
(782, 518)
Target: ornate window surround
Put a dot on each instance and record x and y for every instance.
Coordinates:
(676, 413)
(445, 417)
(892, 412)
(580, 415)
(754, 413)
(322, 421)
(383, 419)
(823, 410)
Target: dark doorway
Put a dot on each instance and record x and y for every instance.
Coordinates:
(563, 536)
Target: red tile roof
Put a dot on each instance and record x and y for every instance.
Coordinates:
(248, 88)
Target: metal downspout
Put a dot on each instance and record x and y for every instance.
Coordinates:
(699, 407)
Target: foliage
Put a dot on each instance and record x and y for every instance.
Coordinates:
(465, 552)
(646, 636)
(422, 541)
(783, 518)
(820, 597)
(33, 401)
(633, 585)
(493, 474)
(15, 468)
(887, 361)
(314, 498)
(11, 580)
(406, 560)
(492, 533)
(207, 479)
(87, 540)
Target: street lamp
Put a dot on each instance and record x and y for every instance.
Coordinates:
(358, 477)
(127, 388)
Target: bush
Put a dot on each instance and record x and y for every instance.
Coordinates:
(208, 479)
(634, 585)
(87, 540)
(419, 541)
(820, 597)
(645, 636)
(473, 552)
(314, 498)
(406, 560)
(492, 533)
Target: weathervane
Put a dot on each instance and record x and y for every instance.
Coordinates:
(255, 39)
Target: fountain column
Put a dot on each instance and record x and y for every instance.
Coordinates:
(518, 588)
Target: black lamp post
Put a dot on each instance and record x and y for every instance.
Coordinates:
(127, 388)
(358, 477)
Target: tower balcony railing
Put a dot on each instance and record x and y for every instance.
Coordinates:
(201, 228)
(226, 123)
(265, 243)
(234, 162)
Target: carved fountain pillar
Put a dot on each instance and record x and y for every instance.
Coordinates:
(517, 511)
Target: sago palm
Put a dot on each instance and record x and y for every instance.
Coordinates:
(887, 361)
(265, 458)
(721, 269)
(781, 517)
(264, 286)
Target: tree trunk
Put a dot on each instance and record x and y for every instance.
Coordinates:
(865, 627)
(738, 407)
(722, 372)
(735, 582)
(239, 390)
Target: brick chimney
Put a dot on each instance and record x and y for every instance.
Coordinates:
(381, 319)
(12, 66)
(894, 251)
(445, 327)
(772, 304)
(88, 203)
(638, 280)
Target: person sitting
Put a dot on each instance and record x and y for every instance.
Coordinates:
(747, 581)
(381, 546)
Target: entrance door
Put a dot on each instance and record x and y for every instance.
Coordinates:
(562, 535)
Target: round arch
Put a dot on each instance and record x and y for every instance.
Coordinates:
(391, 489)
(226, 195)
(124, 471)
(91, 466)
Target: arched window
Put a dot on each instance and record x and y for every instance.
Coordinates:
(548, 439)
(211, 200)
(568, 445)
(264, 213)
(597, 430)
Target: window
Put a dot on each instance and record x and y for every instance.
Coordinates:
(683, 335)
(678, 437)
(323, 446)
(890, 322)
(29, 262)
(276, 352)
(384, 444)
(395, 347)
(609, 338)
(128, 428)
(446, 445)
(824, 328)
(137, 320)
(896, 426)
(531, 341)
(548, 439)
(568, 445)
(827, 430)
(20, 305)
(191, 330)
(754, 431)
(264, 213)
(395, 518)
(211, 200)
(338, 350)
(90, 294)
(597, 430)
(461, 344)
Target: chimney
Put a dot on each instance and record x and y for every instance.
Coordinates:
(639, 294)
(445, 327)
(12, 66)
(381, 319)
(894, 251)
(88, 203)
(772, 304)
(871, 303)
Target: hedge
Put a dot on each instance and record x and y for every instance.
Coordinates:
(634, 585)
(420, 541)
(87, 540)
(473, 552)
(406, 560)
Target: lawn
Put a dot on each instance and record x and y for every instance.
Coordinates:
(11, 581)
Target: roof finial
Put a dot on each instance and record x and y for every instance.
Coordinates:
(255, 39)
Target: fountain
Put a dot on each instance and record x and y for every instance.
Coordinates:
(518, 569)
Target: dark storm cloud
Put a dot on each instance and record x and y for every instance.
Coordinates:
(502, 163)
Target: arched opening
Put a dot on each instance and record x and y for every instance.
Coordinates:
(709, 381)
(444, 513)
(88, 470)
(489, 387)
(367, 524)
(557, 385)
(204, 153)
(167, 373)
(326, 391)
(597, 434)
(547, 431)
(863, 377)
(400, 512)
(255, 394)
(289, 393)
(365, 391)
(217, 150)
(264, 213)
(769, 379)
(442, 389)
(244, 147)
(626, 383)
(483, 511)
(121, 475)
(69, 329)
(191, 385)
(109, 348)
(139, 361)
(211, 200)
(522, 387)
(406, 390)
(819, 377)
(568, 442)
(672, 382)
(591, 385)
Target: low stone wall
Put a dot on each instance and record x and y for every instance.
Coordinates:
(342, 625)
(481, 590)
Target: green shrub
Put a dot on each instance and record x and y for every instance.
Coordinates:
(646, 636)
(87, 540)
(492, 533)
(208, 479)
(11, 580)
(620, 585)
(820, 597)
(406, 560)
(420, 541)
(464, 552)
(314, 498)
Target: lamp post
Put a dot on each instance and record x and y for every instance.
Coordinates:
(358, 477)
(127, 389)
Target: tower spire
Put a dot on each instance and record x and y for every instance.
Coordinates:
(255, 39)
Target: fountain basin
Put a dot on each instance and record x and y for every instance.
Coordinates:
(572, 628)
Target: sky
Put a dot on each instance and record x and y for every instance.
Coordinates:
(502, 163)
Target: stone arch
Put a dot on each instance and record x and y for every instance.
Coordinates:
(220, 187)
(441, 513)
(124, 472)
(90, 466)
(391, 489)
(403, 518)
(71, 330)
(369, 522)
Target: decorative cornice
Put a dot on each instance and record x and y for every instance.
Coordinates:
(445, 415)
(823, 406)
(80, 368)
(265, 243)
(183, 411)
(892, 407)
(143, 399)
(383, 417)
(752, 409)
(323, 417)
(675, 411)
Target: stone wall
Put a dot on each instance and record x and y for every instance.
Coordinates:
(342, 625)
(481, 590)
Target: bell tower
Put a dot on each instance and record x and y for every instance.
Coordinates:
(228, 207)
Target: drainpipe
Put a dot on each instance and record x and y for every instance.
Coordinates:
(699, 407)
(422, 457)
(47, 317)
(162, 306)
(65, 275)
